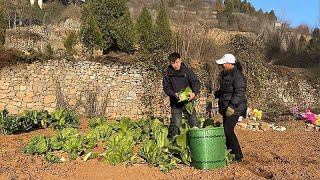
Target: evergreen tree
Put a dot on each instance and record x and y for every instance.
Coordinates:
(34, 14)
(237, 4)
(218, 5)
(302, 44)
(229, 6)
(172, 3)
(315, 33)
(292, 46)
(252, 10)
(260, 13)
(2, 25)
(272, 16)
(314, 44)
(145, 30)
(92, 38)
(109, 15)
(122, 30)
(164, 41)
(70, 42)
(244, 7)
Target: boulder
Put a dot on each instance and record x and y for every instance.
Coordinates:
(265, 126)
(243, 125)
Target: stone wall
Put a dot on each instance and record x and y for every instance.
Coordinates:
(275, 86)
(90, 88)
(113, 90)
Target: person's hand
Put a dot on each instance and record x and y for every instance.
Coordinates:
(210, 98)
(192, 96)
(177, 96)
(230, 111)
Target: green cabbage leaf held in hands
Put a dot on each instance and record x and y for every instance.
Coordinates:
(184, 97)
(184, 94)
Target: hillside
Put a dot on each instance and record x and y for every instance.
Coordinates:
(196, 10)
(200, 44)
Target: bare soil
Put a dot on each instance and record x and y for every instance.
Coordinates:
(292, 154)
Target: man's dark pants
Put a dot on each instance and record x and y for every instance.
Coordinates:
(176, 120)
(232, 141)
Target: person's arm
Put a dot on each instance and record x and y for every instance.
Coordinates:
(195, 82)
(195, 85)
(217, 94)
(239, 86)
(167, 88)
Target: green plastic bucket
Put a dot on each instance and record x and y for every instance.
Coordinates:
(208, 147)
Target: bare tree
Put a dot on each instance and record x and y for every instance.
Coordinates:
(192, 39)
(276, 40)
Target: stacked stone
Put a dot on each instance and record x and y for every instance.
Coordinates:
(312, 127)
(255, 126)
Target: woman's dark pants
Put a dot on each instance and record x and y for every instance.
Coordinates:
(232, 141)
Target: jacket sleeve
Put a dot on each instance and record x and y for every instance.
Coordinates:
(167, 88)
(217, 94)
(239, 91)
(194, 81)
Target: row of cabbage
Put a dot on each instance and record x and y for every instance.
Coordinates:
(32, 119)
(124, 141)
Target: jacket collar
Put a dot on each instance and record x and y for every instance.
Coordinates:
(230, 71)
(182, 70)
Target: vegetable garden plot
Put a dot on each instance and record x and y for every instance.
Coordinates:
(124, 142)
(267, 155)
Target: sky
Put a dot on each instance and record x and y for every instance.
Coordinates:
(295, 12)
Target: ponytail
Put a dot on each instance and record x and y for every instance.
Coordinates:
(238, 65)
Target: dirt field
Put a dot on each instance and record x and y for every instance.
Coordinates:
(292, 154)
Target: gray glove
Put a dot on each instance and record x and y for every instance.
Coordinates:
(230, 111)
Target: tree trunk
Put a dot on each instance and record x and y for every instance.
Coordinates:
(20, 19)
(91, 54)
(9, 22)
(28, 35)
(15, 20)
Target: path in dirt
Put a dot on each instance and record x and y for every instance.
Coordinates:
(292, 154)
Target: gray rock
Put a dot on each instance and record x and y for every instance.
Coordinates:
(243, 125)
(265, 126)
(254, 124)
(310, 125)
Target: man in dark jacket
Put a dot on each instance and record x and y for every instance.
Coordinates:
(176, 78)
(232, 100)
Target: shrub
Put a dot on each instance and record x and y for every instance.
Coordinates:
(70, 41)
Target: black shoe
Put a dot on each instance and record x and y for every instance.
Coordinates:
(235, 161)
(173, 131)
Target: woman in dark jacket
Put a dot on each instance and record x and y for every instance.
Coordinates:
(232, 100)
